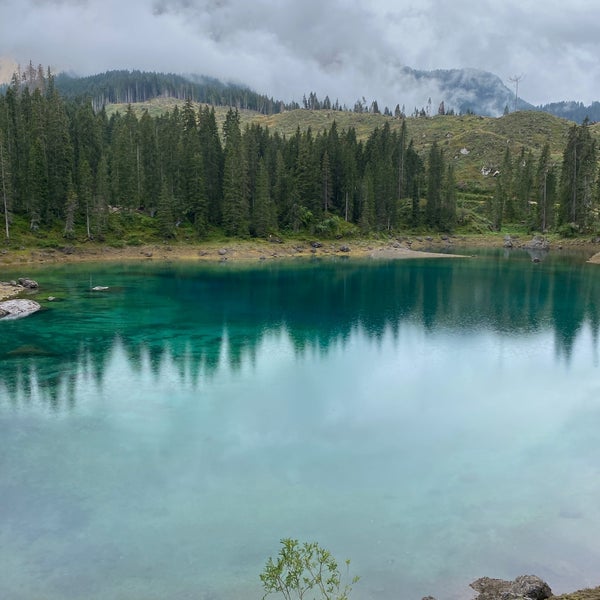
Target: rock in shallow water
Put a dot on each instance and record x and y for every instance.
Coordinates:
(17, 309)
(29, 284)
(524, 586)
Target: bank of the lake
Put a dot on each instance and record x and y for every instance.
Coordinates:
(402, 247)
(407, 246)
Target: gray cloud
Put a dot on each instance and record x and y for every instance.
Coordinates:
(347, 49)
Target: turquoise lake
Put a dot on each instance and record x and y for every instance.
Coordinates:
(434, 421)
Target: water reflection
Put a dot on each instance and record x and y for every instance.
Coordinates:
(188, 311)
(158, 440)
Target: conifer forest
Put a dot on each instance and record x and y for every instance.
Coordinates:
(65, 166)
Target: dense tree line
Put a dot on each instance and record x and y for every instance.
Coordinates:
(124, 87)
(62, 162)
(573, 111)
(545, 195)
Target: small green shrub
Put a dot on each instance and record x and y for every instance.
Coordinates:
(301, 568)
(568, 230)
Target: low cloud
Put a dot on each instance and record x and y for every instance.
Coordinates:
(342, 48)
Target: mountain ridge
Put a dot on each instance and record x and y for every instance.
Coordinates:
(459, 91)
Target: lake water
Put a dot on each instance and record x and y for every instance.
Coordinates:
(433, 420)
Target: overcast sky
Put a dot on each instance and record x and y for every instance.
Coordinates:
(344, 48)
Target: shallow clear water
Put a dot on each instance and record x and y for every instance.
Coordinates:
(434, 421)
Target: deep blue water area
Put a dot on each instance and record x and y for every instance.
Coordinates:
(432, 420)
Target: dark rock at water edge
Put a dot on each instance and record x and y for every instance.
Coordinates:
(524, 586)
(508, 243)
(29, 284)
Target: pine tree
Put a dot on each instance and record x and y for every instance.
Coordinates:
(60, 157)
(150, 164)
(37, 179)
(235, 193)
(307, 170)
(578, 177)
(212, 163)
(545, 190)
(414, 175)
(503, 193)
(435, 175)
(367, 213)
(125, 161)
(85, 193)
(523, 186)
(264, 219)
(349, 176)
(101, 201)
(327, 183)
(448, 200)
(164, 212)
(70, 211)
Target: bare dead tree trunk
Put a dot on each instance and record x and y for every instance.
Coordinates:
(4, 192)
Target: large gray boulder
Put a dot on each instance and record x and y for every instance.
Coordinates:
(523, 587)
(17, 309)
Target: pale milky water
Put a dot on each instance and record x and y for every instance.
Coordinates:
(433, 421)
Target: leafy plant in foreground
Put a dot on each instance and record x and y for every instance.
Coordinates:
(301, 568)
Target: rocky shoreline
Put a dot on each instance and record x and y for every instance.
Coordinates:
(402, 247)
(407, 247)
(524, 587)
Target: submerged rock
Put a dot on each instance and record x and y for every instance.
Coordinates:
(29, 284)
(17, 309)
(524, 586)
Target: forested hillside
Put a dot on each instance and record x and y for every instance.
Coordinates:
(114, 87)
(65, 167)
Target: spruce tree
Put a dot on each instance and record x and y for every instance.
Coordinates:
(503, 193)
(71, 206)
(414, 175)
(545, 191)
(435, 175)
(264, 219)
(235, 193)
(367, 213)
(85, 194)
(212, 163)
(37, 178)
(101, 201)
(448, 200)
(578, 177)
(150, 164)
(164, 212)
